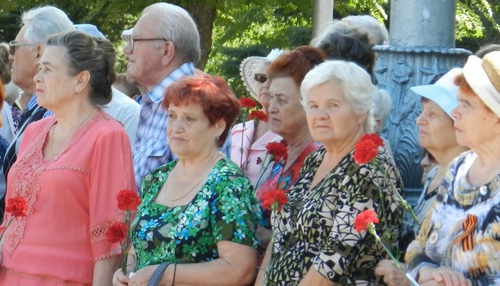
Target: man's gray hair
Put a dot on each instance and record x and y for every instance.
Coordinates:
(44, 21)
(176, 25)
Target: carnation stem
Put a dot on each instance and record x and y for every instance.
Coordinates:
(126, 243)
(263, 170)
(407, 207)
(245, 116)
(5, 229)
(371, 229)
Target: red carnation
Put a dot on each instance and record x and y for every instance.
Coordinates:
(365, 151)
(117, 232)
(257, 114)
(128, 200)
(17, 206)
(375, 138)
(364, 218)
(248, 102)
(278, 150)
(274, 199)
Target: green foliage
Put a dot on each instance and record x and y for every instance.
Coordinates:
(245, 28)
(254, 29)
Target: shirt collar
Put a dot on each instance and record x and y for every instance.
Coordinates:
(33, 102)
(156, 94)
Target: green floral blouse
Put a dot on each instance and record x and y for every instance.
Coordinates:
(225, 208)
(316, 227)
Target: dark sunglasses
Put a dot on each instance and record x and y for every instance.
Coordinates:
(260, 77)
(13, 46)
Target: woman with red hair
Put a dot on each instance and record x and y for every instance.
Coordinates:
(201, 207)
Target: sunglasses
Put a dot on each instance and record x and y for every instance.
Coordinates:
(260, 77)
(13, 46)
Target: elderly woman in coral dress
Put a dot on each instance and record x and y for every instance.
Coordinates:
(69, 170)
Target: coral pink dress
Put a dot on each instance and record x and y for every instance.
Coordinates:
(71, 201)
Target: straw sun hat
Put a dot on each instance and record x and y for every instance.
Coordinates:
(483, 76)
(250, 65)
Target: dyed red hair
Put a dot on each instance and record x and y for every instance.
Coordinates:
(212, 93)
(296, 63)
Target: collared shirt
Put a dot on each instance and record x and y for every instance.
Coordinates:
(151, 148)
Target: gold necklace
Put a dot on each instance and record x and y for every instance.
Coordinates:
(217, 157)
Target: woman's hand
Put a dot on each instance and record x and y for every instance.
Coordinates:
(393, 276)
(142, 276)
(119, 278)
(442, 276)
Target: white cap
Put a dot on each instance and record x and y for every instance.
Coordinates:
(443, 92)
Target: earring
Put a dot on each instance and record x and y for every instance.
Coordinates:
(217, 138)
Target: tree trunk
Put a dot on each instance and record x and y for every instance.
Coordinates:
(204, 16)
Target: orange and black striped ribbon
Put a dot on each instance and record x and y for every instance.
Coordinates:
(466, 237)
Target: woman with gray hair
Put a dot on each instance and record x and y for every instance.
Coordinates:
(69, 171)
(459, 241)
(315, 242)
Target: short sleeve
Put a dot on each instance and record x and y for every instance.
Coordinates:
(111, 171)
(235, 210)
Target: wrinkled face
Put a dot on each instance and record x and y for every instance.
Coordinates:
(145, 56)
(189, 131)
(24, 63)
(436, 132)
(330, 116)
(54, 85)
(286, 113)
(475, 124)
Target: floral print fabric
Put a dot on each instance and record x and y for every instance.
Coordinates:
(478, 257)
(225, 208)
(316, 227)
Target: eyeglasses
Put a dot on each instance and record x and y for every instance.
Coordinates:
(13, 46)
(131, 41)
(260, 77)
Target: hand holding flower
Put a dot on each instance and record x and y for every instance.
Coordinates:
(120, 232)
(365, 221)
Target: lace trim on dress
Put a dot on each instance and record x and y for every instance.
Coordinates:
(27, 173)
(98, 231)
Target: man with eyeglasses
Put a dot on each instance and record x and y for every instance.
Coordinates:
(25, 51)
(161, 48)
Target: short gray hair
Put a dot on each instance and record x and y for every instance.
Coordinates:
(354, 81)
(179, 27)
(376, 29)
(44, 21)
(382, 107)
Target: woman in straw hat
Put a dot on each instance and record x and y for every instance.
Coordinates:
(459, 242)
(249, 139)
(437, 136)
